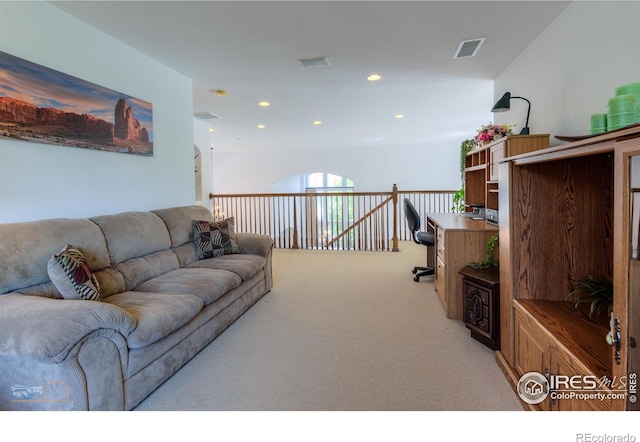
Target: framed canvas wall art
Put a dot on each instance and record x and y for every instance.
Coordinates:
(42, 105)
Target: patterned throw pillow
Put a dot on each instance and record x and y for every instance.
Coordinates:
(71, 275)
(215, 238)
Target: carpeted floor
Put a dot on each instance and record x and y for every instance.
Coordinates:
(342, 331)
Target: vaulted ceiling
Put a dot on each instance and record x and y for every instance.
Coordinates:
(251, 50)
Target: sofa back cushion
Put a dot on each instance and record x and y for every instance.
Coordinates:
(139, 245)
(27, 247)
(178, 221)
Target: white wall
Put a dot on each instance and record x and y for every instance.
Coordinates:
(572, 69)
(430, 166)
(45, 181)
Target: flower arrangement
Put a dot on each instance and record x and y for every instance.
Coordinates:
(491, 132)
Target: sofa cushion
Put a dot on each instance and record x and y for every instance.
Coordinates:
(133, 234)
(215, 238)
(245, 266)
(207, 284)
(157, 314)
(70, 273)
(27, 247)
(178, 222)
(135, 271)
(46, 330)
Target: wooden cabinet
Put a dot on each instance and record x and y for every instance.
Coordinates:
(482, 172)
(481, 304)
(564, 215)
(458, 242)
(568, 349)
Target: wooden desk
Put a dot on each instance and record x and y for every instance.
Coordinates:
(458, 242)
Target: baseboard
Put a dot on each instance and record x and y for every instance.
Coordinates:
(512, 378)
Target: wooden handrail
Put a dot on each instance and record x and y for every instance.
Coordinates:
(343, 220)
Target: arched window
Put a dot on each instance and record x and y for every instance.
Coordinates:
(327, 182)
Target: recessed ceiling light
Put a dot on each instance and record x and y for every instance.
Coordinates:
(264, 104)
(221, 92)
(398, 116)
(261, 126)
(317, 122)
(374, 77)
(211, 129)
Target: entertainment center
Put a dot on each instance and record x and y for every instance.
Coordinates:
(565, 214)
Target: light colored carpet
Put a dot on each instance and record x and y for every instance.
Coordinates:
(342, 331)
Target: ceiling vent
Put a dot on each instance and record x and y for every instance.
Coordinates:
(468, 48)
(313, 62)
(205, 115)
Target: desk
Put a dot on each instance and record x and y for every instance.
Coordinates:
(458, 242)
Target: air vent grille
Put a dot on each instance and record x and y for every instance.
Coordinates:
(313, 62)
(205, 115)
(468, 48)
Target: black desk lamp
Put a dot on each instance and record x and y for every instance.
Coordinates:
(504, 104)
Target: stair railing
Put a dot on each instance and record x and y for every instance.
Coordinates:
(329, 220)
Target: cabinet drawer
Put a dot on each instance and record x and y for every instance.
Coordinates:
(441, 280)
(440, 238)
(441, 254)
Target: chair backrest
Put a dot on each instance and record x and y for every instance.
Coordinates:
(413, 219)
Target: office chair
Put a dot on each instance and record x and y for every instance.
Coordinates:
(424, 238)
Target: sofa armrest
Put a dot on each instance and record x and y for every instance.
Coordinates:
(254, 243)
(45, 329)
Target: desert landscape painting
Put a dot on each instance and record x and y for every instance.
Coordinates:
(42, 105)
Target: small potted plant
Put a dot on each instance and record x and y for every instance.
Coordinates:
(598, 292)
(458, 201)
(491, 132)
(489, 261)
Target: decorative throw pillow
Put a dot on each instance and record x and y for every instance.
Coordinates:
(215, 238)
(71, 275)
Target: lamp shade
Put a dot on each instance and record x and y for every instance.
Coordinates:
(503, 104)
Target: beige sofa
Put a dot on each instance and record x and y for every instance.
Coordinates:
(160, 304)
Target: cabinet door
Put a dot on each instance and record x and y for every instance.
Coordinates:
(531, 352)
(478, 308)
(560, 367)
(626, 277)
(497, 154)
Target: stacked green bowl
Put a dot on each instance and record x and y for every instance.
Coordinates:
(631, 88)
(624, 108)
(621, 111)
(598, 124)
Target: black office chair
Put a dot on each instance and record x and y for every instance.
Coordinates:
(424, 238)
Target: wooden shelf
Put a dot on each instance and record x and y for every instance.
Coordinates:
(475, 168)
(573, 335)
(481, 171)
